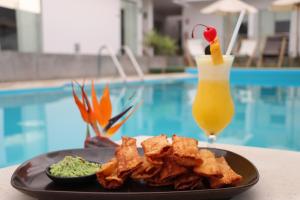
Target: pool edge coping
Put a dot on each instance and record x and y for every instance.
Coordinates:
(52, 85)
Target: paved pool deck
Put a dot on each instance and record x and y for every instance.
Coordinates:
(279, 174)
(23, 85)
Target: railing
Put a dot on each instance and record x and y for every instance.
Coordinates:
(134, 62)
(115, 60)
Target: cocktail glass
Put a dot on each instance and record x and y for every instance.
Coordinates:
(213, 106)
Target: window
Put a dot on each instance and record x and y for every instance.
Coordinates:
(8, 30)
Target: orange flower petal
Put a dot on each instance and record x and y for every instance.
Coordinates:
(91, 115)
(105, 108)
(95, 103)
(80, 106)
(116, 127)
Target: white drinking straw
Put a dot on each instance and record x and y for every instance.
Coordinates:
(235, 32)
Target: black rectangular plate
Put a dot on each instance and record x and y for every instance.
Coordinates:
(30, 178)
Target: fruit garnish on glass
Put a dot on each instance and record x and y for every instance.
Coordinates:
(213, 107)
(214, 48)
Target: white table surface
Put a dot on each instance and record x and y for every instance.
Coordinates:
(279, 175)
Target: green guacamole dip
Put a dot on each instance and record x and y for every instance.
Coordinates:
(73, 166)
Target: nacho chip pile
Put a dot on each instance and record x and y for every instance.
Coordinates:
(180, 164)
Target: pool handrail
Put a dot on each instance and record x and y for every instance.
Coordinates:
(134, 62)
(115, 60)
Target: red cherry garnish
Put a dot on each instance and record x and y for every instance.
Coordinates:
(209, 33)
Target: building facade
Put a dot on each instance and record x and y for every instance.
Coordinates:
(76, 26)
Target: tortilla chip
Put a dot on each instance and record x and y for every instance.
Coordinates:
(107, 175)
(181, 165)
(145, 171)
(156, 147)
(127, 156)
(185, 151)
(188, 181)
(171, 169)
(155, 161)
(157, 181)
(210, 166)
(230, 177)
(169, 172)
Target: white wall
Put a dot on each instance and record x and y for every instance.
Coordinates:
(90, 23)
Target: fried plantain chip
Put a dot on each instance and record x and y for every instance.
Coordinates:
(210, 166)
(230, 177)
(156, 147)
(188, 181)
(107, 175)
(127, 156)
(185, 151)
(145, 171)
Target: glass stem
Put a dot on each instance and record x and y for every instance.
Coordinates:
(211, 141)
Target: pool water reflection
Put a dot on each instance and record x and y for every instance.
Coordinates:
(34, 123)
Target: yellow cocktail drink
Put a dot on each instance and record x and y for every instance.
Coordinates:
(213, 106)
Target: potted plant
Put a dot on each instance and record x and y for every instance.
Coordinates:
(161, 44)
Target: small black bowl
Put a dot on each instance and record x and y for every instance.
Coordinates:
(71, 180)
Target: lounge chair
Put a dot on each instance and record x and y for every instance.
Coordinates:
(275, 47)
(247, 49)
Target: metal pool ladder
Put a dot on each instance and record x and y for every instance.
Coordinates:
(115, 60)
(134, 62)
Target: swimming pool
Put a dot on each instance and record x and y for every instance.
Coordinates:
(41, 120)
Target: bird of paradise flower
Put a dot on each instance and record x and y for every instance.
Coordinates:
(98, 115)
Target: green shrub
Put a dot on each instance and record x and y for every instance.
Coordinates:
(162, 45)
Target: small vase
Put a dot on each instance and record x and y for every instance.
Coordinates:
(98, 142)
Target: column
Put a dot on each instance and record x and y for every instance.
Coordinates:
(148, 21)
(294, 25)
(28, 31)
(140, 37)
(148, 15)
(266, 23)
(253, 26)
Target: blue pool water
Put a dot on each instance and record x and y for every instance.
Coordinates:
(37, 121)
